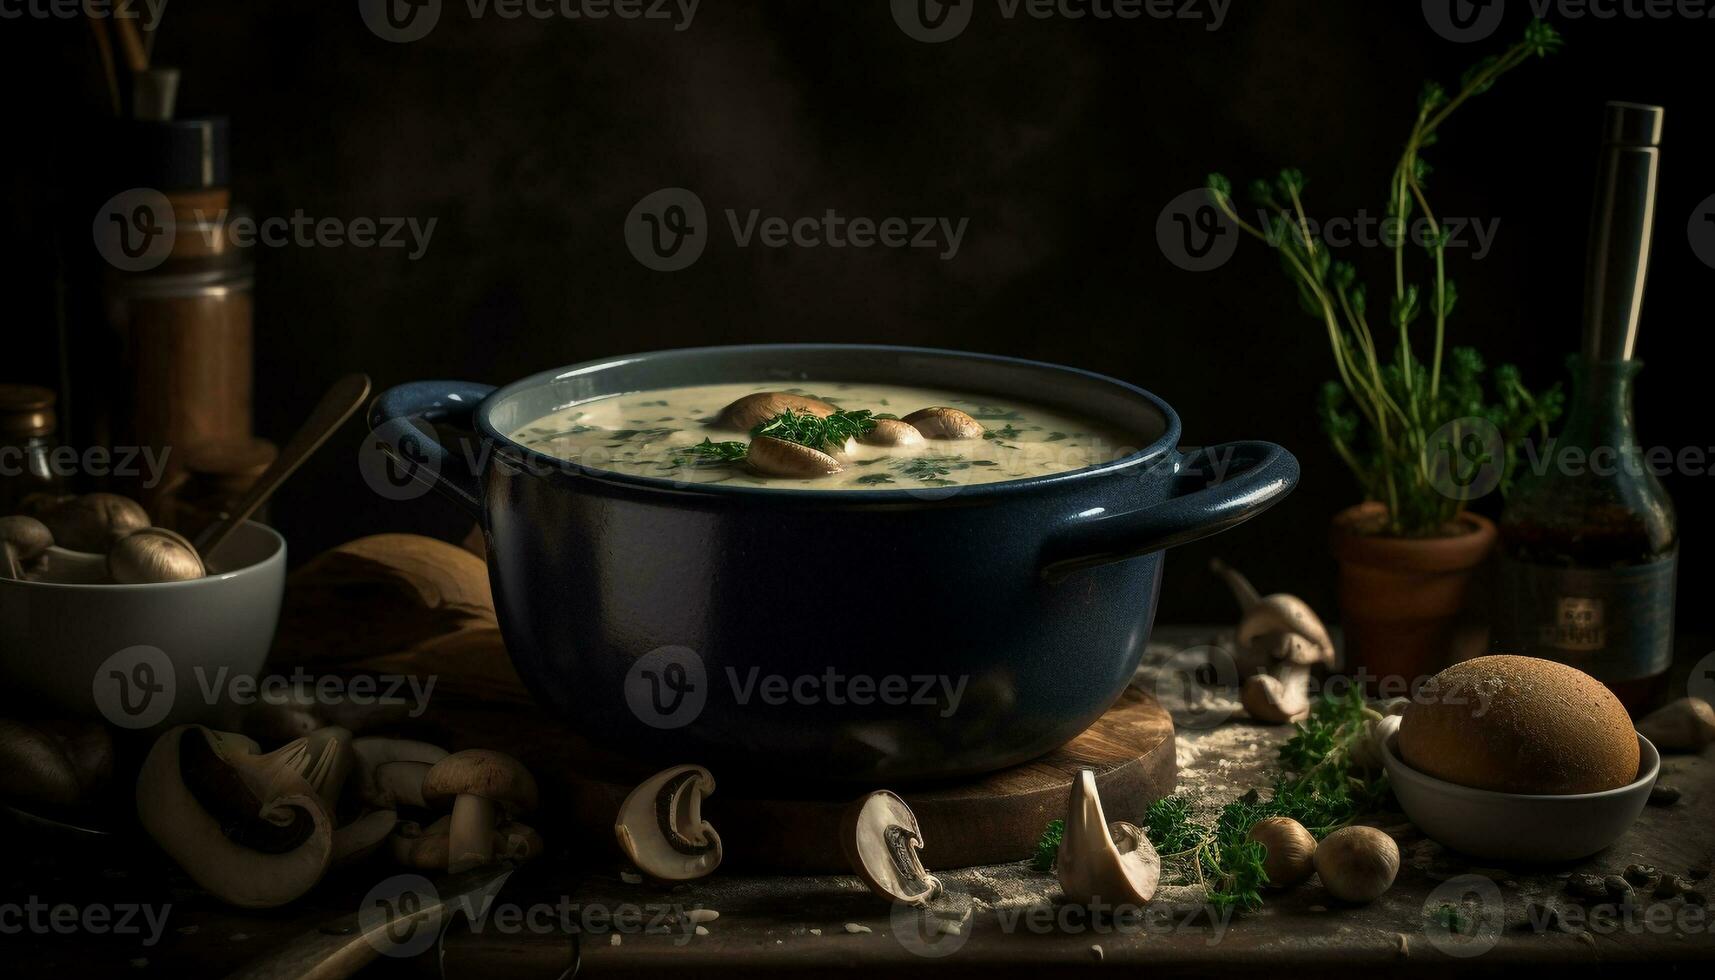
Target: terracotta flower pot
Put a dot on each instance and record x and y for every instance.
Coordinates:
(1401, 598)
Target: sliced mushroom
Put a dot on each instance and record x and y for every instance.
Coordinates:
(53, 765)
(249, 828)
(777, 457)
(1685, 725)
(892, 432)
(94, 521)
(881, 840)
(752, 410)
(153, 554)
(944, 423)
(330, 748)
(360, 838)
(482, 784)
(661, 826)
(22, 541)
(1102, 862)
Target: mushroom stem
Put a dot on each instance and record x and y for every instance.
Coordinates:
(1277, 700)
(1243, 590)
(470, 840)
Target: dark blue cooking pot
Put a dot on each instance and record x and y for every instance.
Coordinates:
(854, 635)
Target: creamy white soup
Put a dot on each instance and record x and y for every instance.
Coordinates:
(824, 436)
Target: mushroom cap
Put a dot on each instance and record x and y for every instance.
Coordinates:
(1289, 615)
(941, 422)
(208, 830)
(35, 768)
(752, 410)
(493, 776)
(892, 432)
(26, 536)
(153, 554)
(1357, 864)
(94, 521)
(777, 457)
(1290, 850)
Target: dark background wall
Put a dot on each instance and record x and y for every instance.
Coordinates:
(1060, 140)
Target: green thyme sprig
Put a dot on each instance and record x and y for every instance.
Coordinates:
(1384, 413)
(1320, 786)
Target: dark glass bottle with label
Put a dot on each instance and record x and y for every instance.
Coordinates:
(1589, 543)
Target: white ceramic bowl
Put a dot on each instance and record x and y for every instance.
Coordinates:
(145, 656)
(1520, 826)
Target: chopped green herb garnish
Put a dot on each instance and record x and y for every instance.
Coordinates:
(708, 452)
(1004, 432)
(1055, 437)
(874, 478)
(817, 433)
(930, 469)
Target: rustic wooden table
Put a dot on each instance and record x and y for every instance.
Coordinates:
(80, 907)
(1014, 924)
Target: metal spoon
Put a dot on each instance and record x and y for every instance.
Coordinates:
(344, 398)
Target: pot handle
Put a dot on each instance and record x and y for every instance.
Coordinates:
(400, 423)
(1212, 489)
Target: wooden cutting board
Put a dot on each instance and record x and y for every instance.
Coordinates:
(990, 820)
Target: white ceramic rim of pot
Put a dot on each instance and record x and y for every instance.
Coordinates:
(1649, 767)
(276, 554)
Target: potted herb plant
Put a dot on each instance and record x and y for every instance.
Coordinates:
(1422, 433)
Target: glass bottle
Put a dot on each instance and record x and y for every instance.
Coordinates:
(1589, 542)
(26, 441)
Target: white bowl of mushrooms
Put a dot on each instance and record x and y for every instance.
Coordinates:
(103, 615)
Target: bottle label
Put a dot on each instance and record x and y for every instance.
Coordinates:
(1615, 624)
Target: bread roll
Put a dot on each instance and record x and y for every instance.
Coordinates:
(1520, 725)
